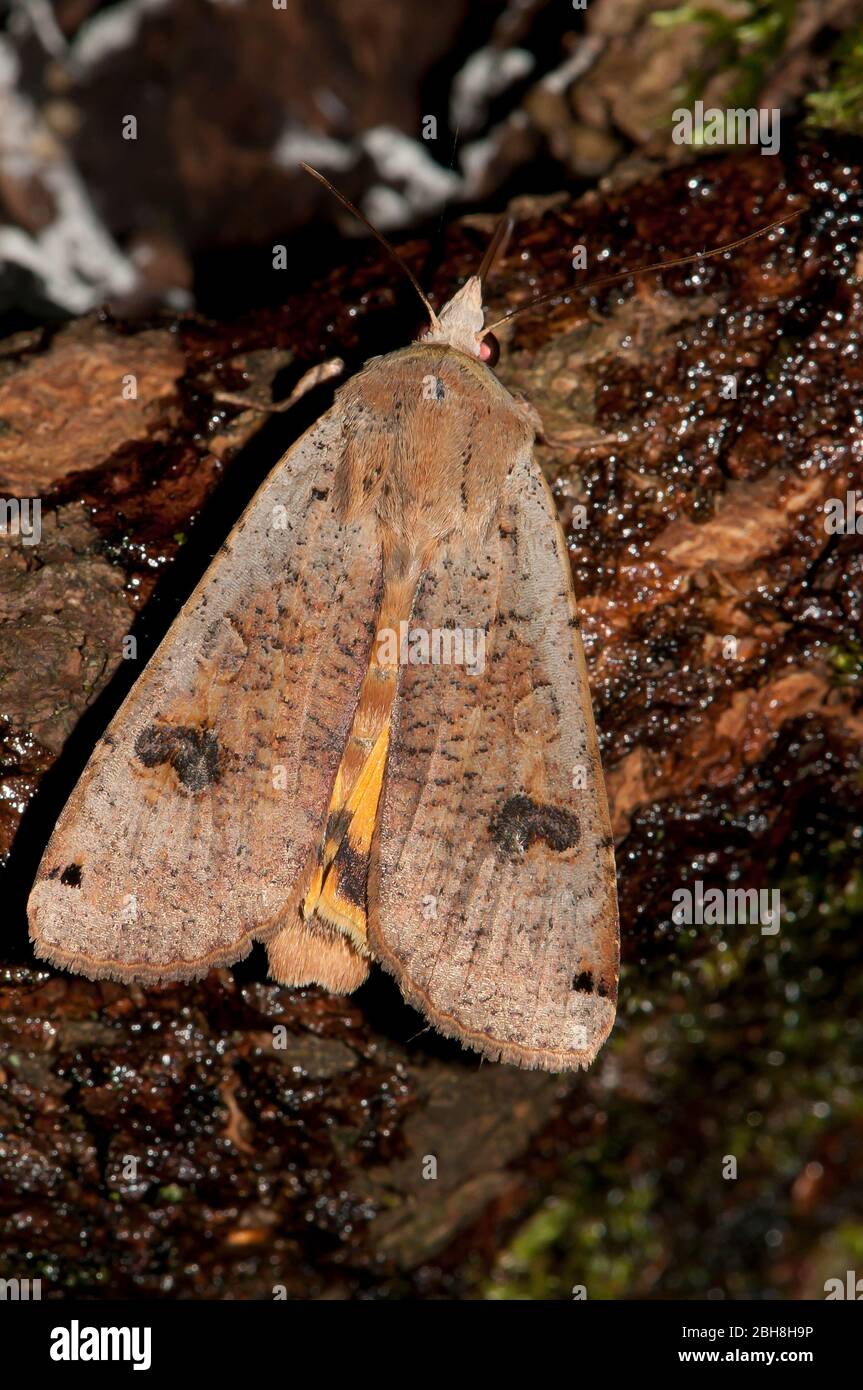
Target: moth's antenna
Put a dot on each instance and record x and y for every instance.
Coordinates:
(641, 270)
(346, 202)
(496, 247)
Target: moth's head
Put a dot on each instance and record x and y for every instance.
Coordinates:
(460, 322)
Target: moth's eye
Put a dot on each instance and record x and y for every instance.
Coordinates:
(489, 349)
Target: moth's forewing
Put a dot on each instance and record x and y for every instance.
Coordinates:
(492, 887)
(198, 809)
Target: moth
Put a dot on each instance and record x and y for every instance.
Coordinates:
(308, 759)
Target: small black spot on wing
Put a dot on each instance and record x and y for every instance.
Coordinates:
(71, 876)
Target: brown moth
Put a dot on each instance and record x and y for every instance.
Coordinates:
(301, 764)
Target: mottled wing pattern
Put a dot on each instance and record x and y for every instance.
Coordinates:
(492, 888)
(198, 808)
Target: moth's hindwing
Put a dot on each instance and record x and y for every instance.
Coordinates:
(199, 807)
(492, 887)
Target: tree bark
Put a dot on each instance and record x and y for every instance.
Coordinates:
(696, 425)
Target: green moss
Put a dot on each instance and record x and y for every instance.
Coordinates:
(840, 106)
(172, 1192)
(846, 662)
(762, 1062)
(747, 48)
(850, 1236)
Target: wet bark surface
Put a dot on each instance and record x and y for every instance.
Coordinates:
(174, 1142)
(152, 147)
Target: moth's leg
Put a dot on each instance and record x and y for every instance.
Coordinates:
(529, 411)
(323, 371)
(577, 437)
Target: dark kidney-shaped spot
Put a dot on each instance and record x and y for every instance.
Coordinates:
(71, 876)
(585, 984)
(521, 821)
(194, 754)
